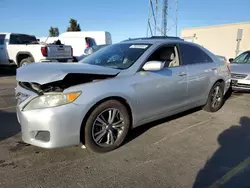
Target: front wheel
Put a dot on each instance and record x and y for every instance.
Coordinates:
(107, 126)
(215, 98)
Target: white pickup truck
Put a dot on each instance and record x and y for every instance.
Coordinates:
(21, 49)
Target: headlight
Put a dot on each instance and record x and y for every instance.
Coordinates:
(52, 100)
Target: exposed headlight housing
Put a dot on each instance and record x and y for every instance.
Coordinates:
(52, 100)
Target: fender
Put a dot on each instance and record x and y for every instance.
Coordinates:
(23, 53)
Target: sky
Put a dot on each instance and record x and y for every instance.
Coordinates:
(122, 18)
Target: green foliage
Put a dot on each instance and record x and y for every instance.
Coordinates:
(53, 32)
(74, 26)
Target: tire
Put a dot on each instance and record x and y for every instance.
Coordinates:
(26, 61)
(209, 106)
(91, 129)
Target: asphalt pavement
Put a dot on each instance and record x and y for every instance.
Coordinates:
(192, 149)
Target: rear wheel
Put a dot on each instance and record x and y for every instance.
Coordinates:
(107, 126)
(26, 61)
(215, 98)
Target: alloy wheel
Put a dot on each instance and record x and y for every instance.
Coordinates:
(108, 127)
(216, 97)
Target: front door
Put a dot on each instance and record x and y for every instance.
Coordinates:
(162, 91)
(3, 51)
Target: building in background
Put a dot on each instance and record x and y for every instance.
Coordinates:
(226, 40)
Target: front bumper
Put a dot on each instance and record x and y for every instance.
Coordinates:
(240, 84)
(51, 127)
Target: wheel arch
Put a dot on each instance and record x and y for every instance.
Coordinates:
(118, 98)
(22, 55)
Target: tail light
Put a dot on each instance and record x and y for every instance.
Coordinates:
(44, 51)
(71, 51)
(87, 44)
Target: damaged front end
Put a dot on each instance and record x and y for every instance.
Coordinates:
(69, 80)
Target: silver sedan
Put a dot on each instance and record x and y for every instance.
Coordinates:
(119, 87)
(240, 72)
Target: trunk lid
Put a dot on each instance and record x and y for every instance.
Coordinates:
(43, 73)
(59, 51)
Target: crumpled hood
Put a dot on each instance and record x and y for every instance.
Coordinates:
(240, 68)
(43, 73)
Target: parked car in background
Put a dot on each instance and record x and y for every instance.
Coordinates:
(81, 40)
(240, 72)
(22, 49)
(91, 50)
(122, 86)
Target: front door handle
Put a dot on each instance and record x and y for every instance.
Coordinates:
(214, 68)
(182, 74)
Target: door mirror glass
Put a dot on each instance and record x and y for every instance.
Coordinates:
(153, 66)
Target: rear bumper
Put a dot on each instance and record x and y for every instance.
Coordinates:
(227, 85)
(63, 59)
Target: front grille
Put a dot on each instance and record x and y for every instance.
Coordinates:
(241, 85)
(238, 76)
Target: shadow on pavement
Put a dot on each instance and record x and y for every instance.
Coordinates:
(134, 133)
(142, 129)
(7, 71)
(228, 165)
(9, 125)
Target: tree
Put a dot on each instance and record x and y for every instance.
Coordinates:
(74, 26)
(54, 32)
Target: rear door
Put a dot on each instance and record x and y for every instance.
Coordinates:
(201, 69)
(3, 51)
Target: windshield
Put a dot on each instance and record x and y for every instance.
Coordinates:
(118, 56)
(243, 58)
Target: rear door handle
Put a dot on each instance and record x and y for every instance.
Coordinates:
(182, 74)
(214, 68)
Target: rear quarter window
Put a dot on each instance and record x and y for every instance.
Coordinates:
(191, 54)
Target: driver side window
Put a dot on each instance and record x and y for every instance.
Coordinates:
(166, 54)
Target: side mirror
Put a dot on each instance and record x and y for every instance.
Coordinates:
(231, 60)
(153, 66)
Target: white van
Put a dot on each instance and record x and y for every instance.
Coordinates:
(80, 40)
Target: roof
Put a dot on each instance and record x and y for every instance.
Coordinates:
(8, 33)
(152, 39)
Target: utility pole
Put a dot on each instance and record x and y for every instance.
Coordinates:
(167, 10)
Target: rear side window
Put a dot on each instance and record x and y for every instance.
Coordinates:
(193, 55)
(22, 39)
(2, 37)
